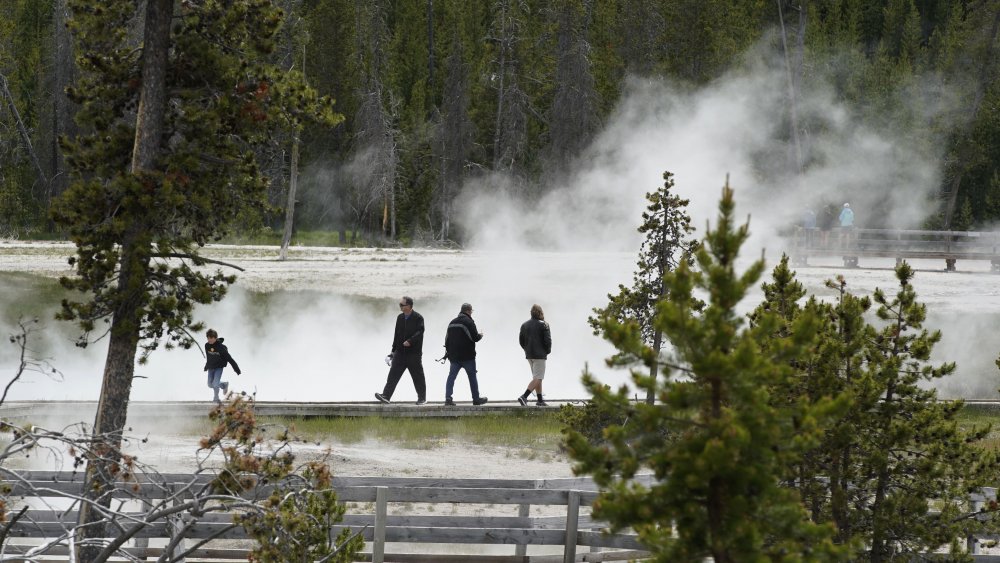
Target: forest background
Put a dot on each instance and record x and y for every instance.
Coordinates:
(438, 94)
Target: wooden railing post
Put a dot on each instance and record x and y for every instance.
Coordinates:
(572, 521)
(523, 511)
(378, 541)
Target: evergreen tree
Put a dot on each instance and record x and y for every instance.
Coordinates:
(914, 455)
(667, 228)
(717, 492)
(164, 165)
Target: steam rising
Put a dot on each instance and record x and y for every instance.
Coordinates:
(567, 249)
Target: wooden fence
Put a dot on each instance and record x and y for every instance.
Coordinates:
(382, 508)
(852, 244)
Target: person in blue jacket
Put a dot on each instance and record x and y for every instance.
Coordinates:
(216, 358)
(846, 217)
(460, 349)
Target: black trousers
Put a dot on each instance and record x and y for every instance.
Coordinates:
(403, 361)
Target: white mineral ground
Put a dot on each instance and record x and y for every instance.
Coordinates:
(965, 305)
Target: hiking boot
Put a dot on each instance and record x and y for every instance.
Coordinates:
(382, 398)
(480, 401)
(421, 401)
(541, 403)
(449, 403)
(523, 401)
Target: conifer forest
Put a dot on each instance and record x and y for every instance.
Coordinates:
(426, 96)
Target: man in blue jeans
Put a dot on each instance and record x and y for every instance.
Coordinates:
(460, 349)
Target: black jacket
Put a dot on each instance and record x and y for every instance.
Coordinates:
(411, 329)
(460, 340)
(217, 356)
(536, 339)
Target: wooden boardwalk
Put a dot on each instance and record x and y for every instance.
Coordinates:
(382, 509)
(854, 244)
(84, 410)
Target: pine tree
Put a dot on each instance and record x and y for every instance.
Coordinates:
(913, 454)
(164, 165)
(716, 491)
(667, 228)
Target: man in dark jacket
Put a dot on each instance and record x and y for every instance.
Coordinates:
(460, 349)
(536, 340)
(407, 351)
(216, 359)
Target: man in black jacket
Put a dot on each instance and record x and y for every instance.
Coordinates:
(460, 349)
(536, 340)
(407, 349)
(216, 359)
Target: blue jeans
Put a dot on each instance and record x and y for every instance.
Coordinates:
(470, 370)
(215, 381)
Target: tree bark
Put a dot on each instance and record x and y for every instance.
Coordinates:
(25, 137)
(293, 182)
(119, 367)
(793, 114)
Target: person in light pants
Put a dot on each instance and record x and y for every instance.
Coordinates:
(536, 341)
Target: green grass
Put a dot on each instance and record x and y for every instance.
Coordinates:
(302, 238)
(980, 416)
(536, 432)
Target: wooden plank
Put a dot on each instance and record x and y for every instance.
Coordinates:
(572, 516)
(523, 511)
(378, 545)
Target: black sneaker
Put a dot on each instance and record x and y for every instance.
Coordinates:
(382, 398)
(523, 401)
(421, 401)
(480, 401)
(449, 403)
(541, 403)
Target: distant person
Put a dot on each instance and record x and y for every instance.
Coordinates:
(536, 341)
(460, 349)
(808, 219)
(216, 358)
(407, 349)
(827, 216)
(846, 217)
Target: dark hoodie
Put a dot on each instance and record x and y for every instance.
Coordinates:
(217, 356)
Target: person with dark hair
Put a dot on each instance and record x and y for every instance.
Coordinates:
(216, 358)
(460, 349)
(407, 352)
(536, 341)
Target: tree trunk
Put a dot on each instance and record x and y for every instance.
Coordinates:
(655, 368)
(290, 209)
(62, 119)
(793, 115)
(119, 367)
(25, 137)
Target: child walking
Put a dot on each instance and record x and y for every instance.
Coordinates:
(216, 358)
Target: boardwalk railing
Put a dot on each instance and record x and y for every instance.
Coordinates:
(851, 244)
(383, 509)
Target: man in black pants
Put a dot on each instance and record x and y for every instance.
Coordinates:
(407, 349)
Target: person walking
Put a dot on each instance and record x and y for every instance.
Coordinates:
(846, 217)
(216, 358)
(407, 352)
(460, 349)
(536, 341)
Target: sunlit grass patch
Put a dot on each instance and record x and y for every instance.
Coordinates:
(506, 430)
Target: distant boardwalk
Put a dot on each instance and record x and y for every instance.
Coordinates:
(854, 244)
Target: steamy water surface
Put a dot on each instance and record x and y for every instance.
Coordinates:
(316, 328)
